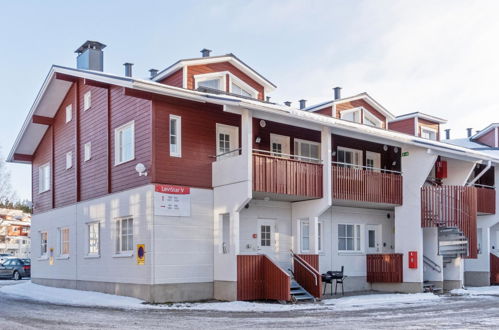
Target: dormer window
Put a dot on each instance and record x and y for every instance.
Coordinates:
(239, 91)
(351, 115)
(371, 120)
(212, 83)
(214, 80)
(428, 133)
(361, 115)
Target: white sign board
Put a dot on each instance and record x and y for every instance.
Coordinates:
(172, 200)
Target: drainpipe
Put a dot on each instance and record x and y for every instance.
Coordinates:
(472, 182)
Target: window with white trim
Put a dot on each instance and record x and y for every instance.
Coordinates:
(44, 178)
(210, 83)
(69, 113)
(305, 236)
(371, 120)
(175, 136)
(69, 160)
(236, 89)
(428, 133)
(351, 115)
(87, 100)
(307, 150)
(63, 241)
(43, 243)
(320, 228)
(227, 141)
(87, 151)
(124, 235)
(347, 157)
(124, 142)
(93, 230)
(349, 238)
(373, 161)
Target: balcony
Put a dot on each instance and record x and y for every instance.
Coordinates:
(486, 199)
(454, 207)
(286, 176)
(368, 185)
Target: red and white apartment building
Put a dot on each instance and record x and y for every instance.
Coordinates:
(193, 185)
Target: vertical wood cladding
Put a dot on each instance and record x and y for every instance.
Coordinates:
(218, 67)
(359, 103)
(175, 79)
(41, 201)
(403, 126)
(198, 127)
(429, 124)
(488, 138)
(328, 111)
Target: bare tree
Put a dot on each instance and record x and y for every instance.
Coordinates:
(6, 192)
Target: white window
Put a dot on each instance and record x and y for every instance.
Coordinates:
(279, 145)
(320, 228)
(210, 83)
(69, 160)
(175, 136)
(124, 235)
(63, 241)
(349, 238)
(240, 91)
(307, 150)
(87, 151)
(44, 178)
(373, 160)
(428, 133)
(124, 141)
(305, 236)
(69, 113)
(479, 240)
(371, 120)
(351, 115)
(43, 243)
(227, 141)
(93, 238)
(349, 157)
(87, 100)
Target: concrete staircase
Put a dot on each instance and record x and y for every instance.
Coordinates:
(451, 244)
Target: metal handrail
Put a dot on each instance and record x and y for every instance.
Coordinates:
(483, 186)
(309, 269)
(355, 166)
(227, 152)
(288, 156)
(432, 264)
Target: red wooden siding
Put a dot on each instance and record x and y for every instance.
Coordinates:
(286, 176)
(384, 268)
(258, 277)
(359, 103)
(311, 259)
(494, 269)
(307, 275)
(175, 79)
(328, 111)
(488, 138)
(451, 206)
(404, 126)
(43, 155)
(218, 67)
(486, 200)
(366, 186)
(198, 122)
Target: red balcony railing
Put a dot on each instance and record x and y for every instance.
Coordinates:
(281, 175)
(486, 200)
(357, 184)
(451, 206)
(384, 268)
(258, 277)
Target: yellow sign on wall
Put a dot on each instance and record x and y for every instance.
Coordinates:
(141, 254)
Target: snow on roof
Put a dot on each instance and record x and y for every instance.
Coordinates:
(467, 143)
(485, 130)
(421, 115)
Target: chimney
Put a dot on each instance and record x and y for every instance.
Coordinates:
(447, 134)
(469, 130)
(90, 56)
(267, 99)
(205, 52)
(337, 93)
(128, 69)
(153, 73)
(303, 104)
(287, 103)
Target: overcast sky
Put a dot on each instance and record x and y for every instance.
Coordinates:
(438, 57)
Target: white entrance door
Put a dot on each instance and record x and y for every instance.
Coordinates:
(279, 145)
(266, 237)
(373, 161)
(373, 239)
(227, 141)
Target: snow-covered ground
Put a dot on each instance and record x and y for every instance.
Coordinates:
(477, 291)
(28, 290)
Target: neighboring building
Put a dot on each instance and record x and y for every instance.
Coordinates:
(196, 168)
(15, 233)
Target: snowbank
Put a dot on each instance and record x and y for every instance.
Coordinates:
(381, 300)
(245, 306)
(477, 291)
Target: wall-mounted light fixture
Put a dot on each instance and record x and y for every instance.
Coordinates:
(258, 139)
(385, 147)
(263, 123)
(141, 169)
(395, 149)
(394, 163)
(333, 153)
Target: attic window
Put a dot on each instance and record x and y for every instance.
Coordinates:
(212, 83)
(351, 115)
(428, 133)
(371, 120)
(239, 91)
(214, 80)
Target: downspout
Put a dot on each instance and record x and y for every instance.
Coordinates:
(472, 182)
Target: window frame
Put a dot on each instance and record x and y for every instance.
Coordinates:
(64, 242)
(297, 150)
(358, 152)
(87, 151)
(69, 113)
(354, 110)
(119, 236)
(253, 93)
(357, 236)
(69, 160)
(46, 180)
(220, 76)
(44, 244)
(430, 130)
(96, 239)
(304, 223)
(372, 118)
(233, 132)
(87, 100)
(178, 135)
(117, 146)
